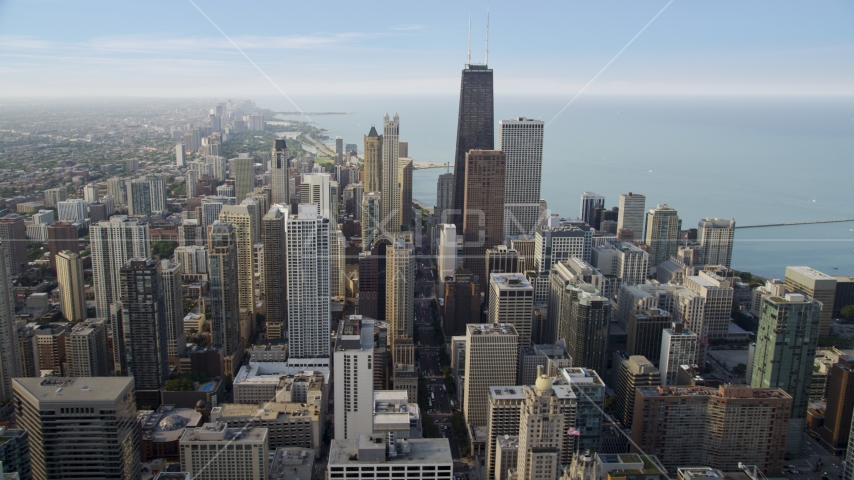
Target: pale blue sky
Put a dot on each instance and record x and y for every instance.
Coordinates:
(167, 48)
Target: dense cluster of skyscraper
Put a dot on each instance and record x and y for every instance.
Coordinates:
(570, 339)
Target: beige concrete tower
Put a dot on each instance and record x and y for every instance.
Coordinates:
(390, 187)
(243, 219)
(373, 161)
(400, 299)
(69, 275)
(491, 353)
(541, 430)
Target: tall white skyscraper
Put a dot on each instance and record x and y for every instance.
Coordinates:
(447, 257)
(192, 178)
(522, 141)
(10, 363)
(631, 212)
(113, 242)
(511, 301)
(316, 189)
(715, 237)
(400, 300)
(157, 183)
(678, 347)
(391, 200)
(589, 201)
(90, 193)
(72, 210)
(180, 160)
(279, 173)
(662, 234)
(491, 354)
(307, 236)
(353, 359)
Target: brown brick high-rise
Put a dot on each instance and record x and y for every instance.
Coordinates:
(483, 208)
(61, 236)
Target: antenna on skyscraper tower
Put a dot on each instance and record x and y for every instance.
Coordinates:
(468, 57)
(486, 58)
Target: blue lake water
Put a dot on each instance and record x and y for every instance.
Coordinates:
(755, 159)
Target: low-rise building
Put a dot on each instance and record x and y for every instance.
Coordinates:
(292, 463)
(288, 424)
(162, 430)
(216, 452)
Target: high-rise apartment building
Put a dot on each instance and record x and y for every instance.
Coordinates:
(511, 301)
(817, 285)
(521, 140)
(157, 185)
(717, 311)
(61, 236)
(390, 180)
(624, 260)
(678, 347)
(144, 328)
(316, 189)
(405, 179)
(337, 264)
(79, 427)
(139, 197)
(400, 300)
(216, 452)
(72, 210)
(559, 240)
(69, 275)
(279, 172)
(113, 242)
(53, 196)
(273, 237)
(373, 161)
(243, 169)
(482, 207)
(475, 130)
(662, 234)
(117, 188)
(353, 363)
(589, 202)
(785, 349)
(13, 239)
(631, 212)
(462, 303)
(836, 430)
(180, 159)
(245, 221)
(211, 208)
(171, 274)
(371, 220)
(589, 388)
(86, 349)
(445, 198)
(629, 373)
(705, 426)
(583, 324)
(10, 362)
(715, 237)
(505, 410)
(222, 271)
(491, 354)
(307, 237)
(447, 251)
(645, 332)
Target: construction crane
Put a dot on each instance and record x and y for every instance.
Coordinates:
(752, 471)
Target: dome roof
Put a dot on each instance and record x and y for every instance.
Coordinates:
(201, 404)
(173, 422)
(543, 383)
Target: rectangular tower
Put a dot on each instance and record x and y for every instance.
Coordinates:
(491, 354)
(482, 207)
(662, 234)
(279, 172)
(171, 273)
(631, 214)
(222, 273)
(69, 275)
(589, 202)
(678, 347)
(13, 238)
(243, 169)
(373, 161)
(273, 237)
(511, 300)
(475, 128)
(353, 360)
(522, 141)
(715, 237)
(390, 183)
(817, 285)
(113, 242)
(400, 300)
(307, 236)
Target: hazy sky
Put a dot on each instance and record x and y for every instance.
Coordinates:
(168, 48)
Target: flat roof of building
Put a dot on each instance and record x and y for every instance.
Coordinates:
(491, 329)
(421, 451)
(290, 463)
(507, 393)
(68, 389)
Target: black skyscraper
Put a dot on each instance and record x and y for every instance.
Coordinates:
(475, 126)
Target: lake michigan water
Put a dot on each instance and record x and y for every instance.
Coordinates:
(756, 159)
